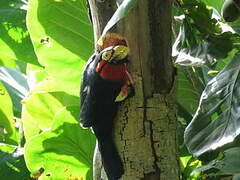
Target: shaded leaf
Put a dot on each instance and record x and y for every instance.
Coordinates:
(200, 16)
(219, 46)
(189, 49)
(13, 167)
(187, 95)
(15, 42)
(217, 119)
(202, 38)
(63, 152)
(236, 177)
(229, 163)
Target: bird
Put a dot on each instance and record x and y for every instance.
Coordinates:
(105, 84)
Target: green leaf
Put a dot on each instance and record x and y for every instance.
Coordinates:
(187, 95)
(125, 7)
(40, 81)
(15, 42)
(217, 4)
(8, 62)
(200, 16)
(7, 148)
(236, 177)
(8, 132)
(17, 86)
(40, 109)
(189, 163)
(229, 163)
(220, 45)
(191, 50)
(63, 39)
(13, 167)
(203, 38)
(63, 152)
(217, 120)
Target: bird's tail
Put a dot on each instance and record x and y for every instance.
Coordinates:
(111, 160)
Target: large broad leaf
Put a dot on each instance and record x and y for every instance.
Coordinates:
(190, 50)
(40, 109)
(63, 152)
(8, 132)
(187, 94)
(40, 81)
(62, 38)
(15, 42)
(203, 38)
(217, 120)
(227, 163)
(124, 8)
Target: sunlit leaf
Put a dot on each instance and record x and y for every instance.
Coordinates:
(217, 4)
(217, 120)
(40, 81)
(40, 109)
(7, 148)
(189, 163)
(63, 39)
(63, 152)
(15, 42)
(7, 62)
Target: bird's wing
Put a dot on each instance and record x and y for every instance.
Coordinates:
(87, 100)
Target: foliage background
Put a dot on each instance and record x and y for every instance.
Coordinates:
(44, 46)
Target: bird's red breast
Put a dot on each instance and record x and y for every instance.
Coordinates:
(113, 72)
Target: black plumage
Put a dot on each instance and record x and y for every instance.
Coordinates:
(98, 110)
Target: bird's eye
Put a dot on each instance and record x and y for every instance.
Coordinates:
(107, 56)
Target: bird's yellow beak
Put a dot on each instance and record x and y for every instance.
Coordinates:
(120, 52)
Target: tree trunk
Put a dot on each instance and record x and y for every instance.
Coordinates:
(146, 127)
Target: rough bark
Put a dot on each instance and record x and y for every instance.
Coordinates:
(146, 127)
